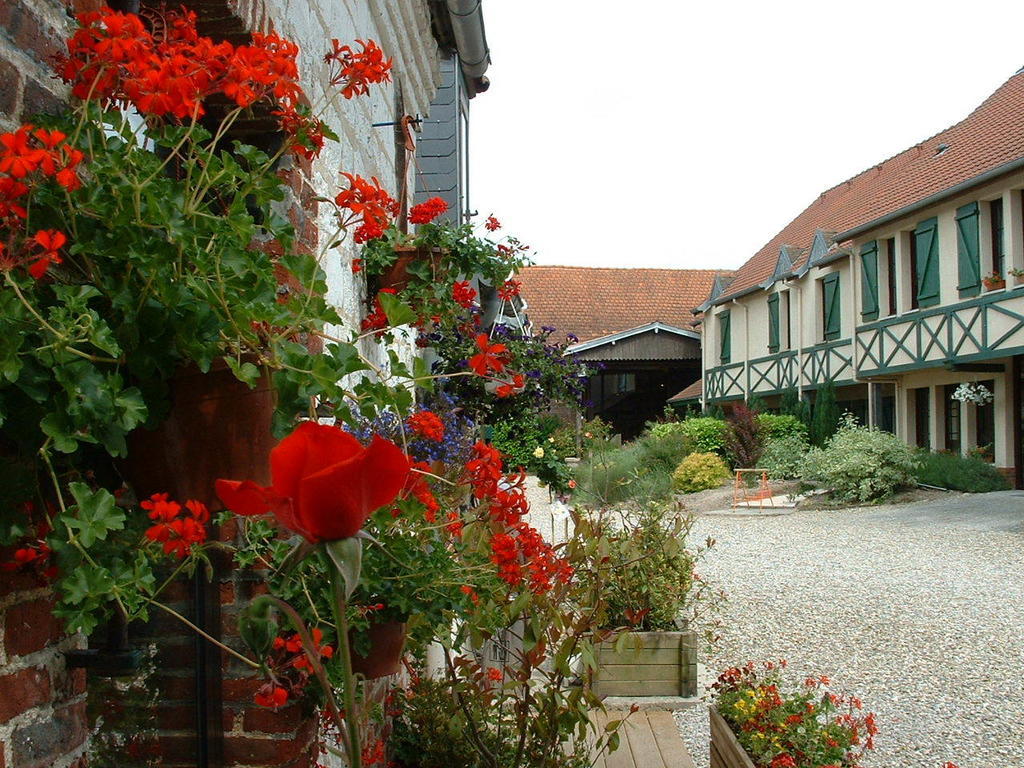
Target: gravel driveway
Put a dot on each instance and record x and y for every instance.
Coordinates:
(918, 609)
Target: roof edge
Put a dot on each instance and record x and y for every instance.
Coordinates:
(963, 186)
(611, 338)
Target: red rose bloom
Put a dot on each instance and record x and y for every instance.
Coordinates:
(324, 483)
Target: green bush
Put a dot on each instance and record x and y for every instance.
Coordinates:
(517, 439)
(826, 418)
(706, 434)
(613, 475)
(699, 472)
(859, 464)
(661, 429)
(958, 473)
(665, 450)
(775, 425)
(783, 457)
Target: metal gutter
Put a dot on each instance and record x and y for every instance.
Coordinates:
(467, 22)
(906, 210)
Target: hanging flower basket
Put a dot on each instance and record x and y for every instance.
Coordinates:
(973, 392)
(405, 269)
(384, 657)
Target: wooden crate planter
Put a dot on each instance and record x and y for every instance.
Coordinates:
(662, 664)
(726, 751)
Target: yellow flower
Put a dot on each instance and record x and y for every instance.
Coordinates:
(539, 453)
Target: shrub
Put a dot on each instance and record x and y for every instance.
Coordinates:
(638, 472)
(706, 434)
(666, 449)
(826, 416)
(783, 457)
(517, 439)
(699, 472)
(743, 437)
(775, 425)
(958, 473)
(860, 464)
(664, 428)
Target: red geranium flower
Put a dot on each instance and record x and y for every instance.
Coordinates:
(426, 424)
(427, 211)
(271, 695)
(490, 358)
(325, 484)
(509, 289)
(492, 224)
(463, 294)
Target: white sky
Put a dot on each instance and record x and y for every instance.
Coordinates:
(676, 133)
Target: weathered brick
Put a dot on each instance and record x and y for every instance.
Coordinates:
(30, 626)
(246, 750)
(38, 744)
(23, 690)
(10, 87)
(240, 689)
(37, 100)
(283, 720)
(29, 32)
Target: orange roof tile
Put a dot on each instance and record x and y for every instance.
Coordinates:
(594, 302)
(691, 392)
(991, 136)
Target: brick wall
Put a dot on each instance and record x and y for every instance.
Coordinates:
(42, 703)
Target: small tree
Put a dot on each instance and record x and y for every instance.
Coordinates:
(825, 420)
(794, 405)
(743, 439)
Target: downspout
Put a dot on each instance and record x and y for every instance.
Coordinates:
(798, 290)
(746, 350)
(470, 40)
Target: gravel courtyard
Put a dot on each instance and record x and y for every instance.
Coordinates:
(917, 608)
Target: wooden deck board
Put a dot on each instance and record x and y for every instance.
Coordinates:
(648, 739)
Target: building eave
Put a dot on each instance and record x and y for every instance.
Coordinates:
(613, 338)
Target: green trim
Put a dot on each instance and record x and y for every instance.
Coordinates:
(869, 280)
(926, 239)
(968, 251)
(985, 298)
(725, 330)
(977, 356)
(832, 306)
(773, 322)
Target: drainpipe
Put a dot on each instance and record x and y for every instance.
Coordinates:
(746, 350)
(470, 40)
(798, 290)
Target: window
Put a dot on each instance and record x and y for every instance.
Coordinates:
(985, 424)
(890, 273)
(831, 314)
(952, 420)
(773, 323)
(869, 281)
(725, 346)
(924, 264)
(995, 211)
(922, 417)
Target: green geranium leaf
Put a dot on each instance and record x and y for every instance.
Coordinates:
(97, 514)
(398, 312)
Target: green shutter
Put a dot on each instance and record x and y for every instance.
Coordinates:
(869, 281)
(723, 329)
(967, 250)
(831, 305)
(926, 239)
(773, 323)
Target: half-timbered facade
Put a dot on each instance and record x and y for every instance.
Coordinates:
(897, 285)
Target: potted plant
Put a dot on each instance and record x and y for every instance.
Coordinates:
(1018, 275)
(760, 721)
(655, 602)
(993, 281)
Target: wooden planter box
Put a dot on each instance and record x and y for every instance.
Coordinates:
(726, 751)
(663, 664)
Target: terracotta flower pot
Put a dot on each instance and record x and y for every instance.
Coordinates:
(217, 427)
(993, 285)
(397, 275)
(387, 640)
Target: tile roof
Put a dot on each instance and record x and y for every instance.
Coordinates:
(992, 135)
(690, 393)
(593, 302)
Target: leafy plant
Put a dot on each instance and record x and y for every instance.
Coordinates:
(743, 439)
(700, 472)
(706, 434)
(785, 726)
(655, 584)
(783, 457)
(793, 405)
(959, 473)
(859, 464)
(775, 425)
